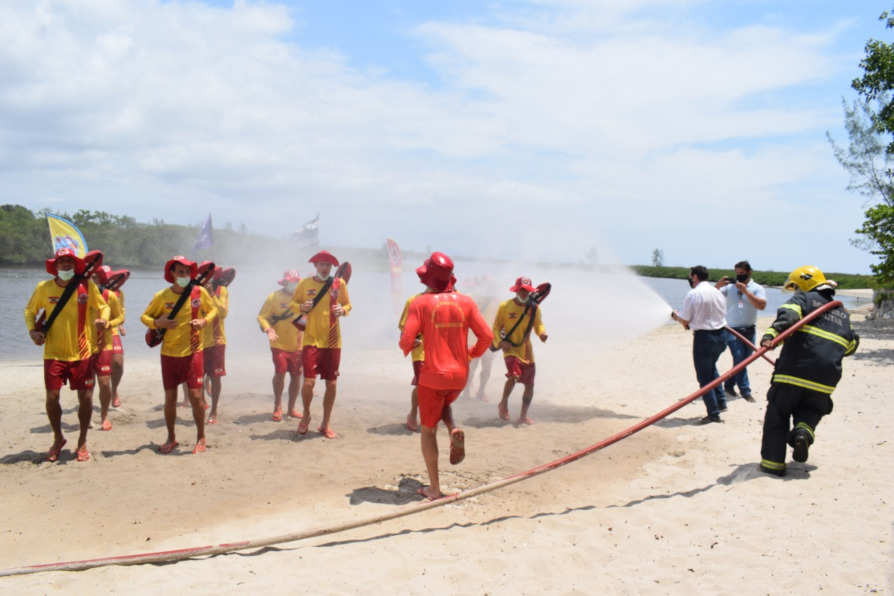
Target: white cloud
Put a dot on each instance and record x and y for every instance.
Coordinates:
(582, 111)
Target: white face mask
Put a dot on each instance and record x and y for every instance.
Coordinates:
(183, 281)
(291, 287)
(65, 275)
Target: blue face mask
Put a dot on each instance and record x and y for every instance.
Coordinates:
(183, 281)
(65, 275)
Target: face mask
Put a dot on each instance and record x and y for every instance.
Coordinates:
(742, 278)
(291, 287)
(65, 275)
(183, 281)
(692, 282)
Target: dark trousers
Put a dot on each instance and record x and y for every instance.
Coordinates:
(784, 403)
(707, 346)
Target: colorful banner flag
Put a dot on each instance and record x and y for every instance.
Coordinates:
(66, 235)
(205, 238)
(309, 233)
(396, 261)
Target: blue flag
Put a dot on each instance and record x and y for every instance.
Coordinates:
(204, 239)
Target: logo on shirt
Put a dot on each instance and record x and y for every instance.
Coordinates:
(169, 306)
(82, 298)
(513, 315)
(196, 302)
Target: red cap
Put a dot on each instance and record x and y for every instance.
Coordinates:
(122, 275)
(65, 252)
(224, 277)
(103, 274)
(289, 276)
(323, 257)
(523, 283)
(437, 272)
(169, 277)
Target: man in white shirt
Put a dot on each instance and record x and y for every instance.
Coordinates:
(704, 312)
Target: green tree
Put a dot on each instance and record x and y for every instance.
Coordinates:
(867, 158)
(657, 258)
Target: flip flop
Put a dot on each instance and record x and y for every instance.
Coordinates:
(199, 448)
(411, 424)
(212, 420)
(168, 447)
(504, 411)
(53, 453)
(295, 414)
(457, 446)
(277, 416)
(116, 403)
(327, 432)
(83, 455)
(302, 426)
(107, 425)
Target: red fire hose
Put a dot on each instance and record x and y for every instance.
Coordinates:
(174, 555)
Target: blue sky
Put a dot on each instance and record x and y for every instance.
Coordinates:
(528, 129)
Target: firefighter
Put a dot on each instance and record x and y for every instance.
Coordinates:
(808, 369)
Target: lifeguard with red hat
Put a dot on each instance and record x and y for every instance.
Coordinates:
(63, 315)
(323, 299)
(442, 317)
(275, 320)
(513, 324)
(181, 349)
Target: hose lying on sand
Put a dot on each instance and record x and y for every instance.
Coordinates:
(175, 555)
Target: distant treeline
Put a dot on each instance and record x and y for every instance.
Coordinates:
(846, 281)
(25, 241)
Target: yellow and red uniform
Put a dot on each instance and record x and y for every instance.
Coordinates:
(417, 353)
(73, 333)
(182, 340)
(276, 308)
(214, 333)
(508, 315)
(322, 330)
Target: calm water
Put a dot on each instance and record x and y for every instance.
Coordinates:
(589, 306)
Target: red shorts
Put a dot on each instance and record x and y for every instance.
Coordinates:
(286, 362)
(417, 366)
(78, 374)
(520, 371)
(320, 361)
(117, 346)
(432, 403)
(182, 369)
(215, 361)
(102, 363)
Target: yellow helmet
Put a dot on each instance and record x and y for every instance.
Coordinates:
(805, 278)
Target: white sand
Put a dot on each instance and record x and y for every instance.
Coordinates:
(676, 508)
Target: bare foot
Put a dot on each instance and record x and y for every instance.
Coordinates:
(411, 423)
(503, 410)
(425, 491)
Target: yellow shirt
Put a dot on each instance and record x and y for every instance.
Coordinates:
(116, 317)
(318, 320)
(62, 339)
(418, 353)
(214, 334)
(507, 315)
(275, 307)
(177, 341)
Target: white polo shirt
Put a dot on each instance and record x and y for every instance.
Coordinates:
(704, 307)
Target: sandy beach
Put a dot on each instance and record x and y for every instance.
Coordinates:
(675, 508)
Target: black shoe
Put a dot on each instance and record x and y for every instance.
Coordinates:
(747, 397)
(722, 408)
(709, 420)
(766, 470)
(730, 392)
(801, 445)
